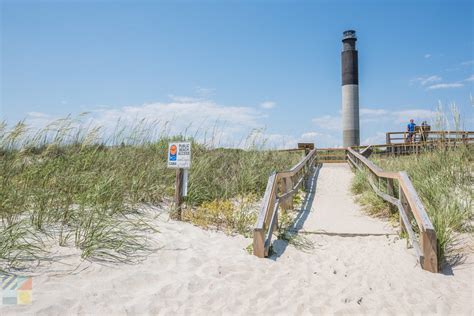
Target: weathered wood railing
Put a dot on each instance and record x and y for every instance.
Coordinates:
(430, 136)
(419, 147)
(331, 155)
(409, 206)
(281, 187)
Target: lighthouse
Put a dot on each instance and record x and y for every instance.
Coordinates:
(350, 90)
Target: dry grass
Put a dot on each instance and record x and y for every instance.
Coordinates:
(444, 181)
(70, 184)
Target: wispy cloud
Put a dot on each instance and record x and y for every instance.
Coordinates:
(433, 82)
(375, 115)
(267, 105)
(321, 139)
(445, 86)
(467, 63)
(310, 135)
(461, 65)
(279, 141)
(37, 115)
(182, 115)
(470, 78)
(328, 122)
(427, 56)
(382, 115)
(378, 138)
(424, 80)
(204, 92)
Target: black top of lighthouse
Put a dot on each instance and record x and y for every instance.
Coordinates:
(349, 39)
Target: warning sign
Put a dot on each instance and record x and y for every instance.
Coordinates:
(179, 155)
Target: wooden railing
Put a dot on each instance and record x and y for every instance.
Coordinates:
(331, 155)
(430, 136)
(419, 147)
(409, 206)
(281, 187)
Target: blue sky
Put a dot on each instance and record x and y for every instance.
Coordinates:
(267, 65)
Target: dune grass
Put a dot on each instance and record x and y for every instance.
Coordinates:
(444, 181)
(70, 185)
(373, 204)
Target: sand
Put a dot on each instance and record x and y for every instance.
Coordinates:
(198, 272)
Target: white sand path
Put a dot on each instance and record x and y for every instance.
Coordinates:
(198, 272)
(333, 209)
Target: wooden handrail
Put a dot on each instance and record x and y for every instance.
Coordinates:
(268, 216)
(332, 155)
(280, 189)
(439, 132)
(426, 135)
(407, 203)
(447, 142)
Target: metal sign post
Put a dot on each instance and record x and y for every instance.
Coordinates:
(179, 158)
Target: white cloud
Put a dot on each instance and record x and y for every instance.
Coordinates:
(416, 114)
(321, 139)
(267, 105)
(467, 63)
(370, 115)
(203, 119)
(37, 115)
(375, 117)
(181, 99)
(310, 135)
(204, 92)
(471, 78)
(280, 141)
(183, 113)
(445, 86)
(378, 138)
(328, 122)
(401, 116)
(427, 55)
(424, 80)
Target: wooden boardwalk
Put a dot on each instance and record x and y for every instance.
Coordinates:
(333, 212)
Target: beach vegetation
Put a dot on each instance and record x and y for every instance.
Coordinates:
(73, 184)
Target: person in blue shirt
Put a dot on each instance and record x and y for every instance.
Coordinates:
(411, 130)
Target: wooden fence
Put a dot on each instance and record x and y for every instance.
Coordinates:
(281, 187)
(409, 206)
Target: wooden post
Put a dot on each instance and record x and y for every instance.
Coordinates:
(259, 243)
(289, 186)
(390, 188)
(271, 205)
(286, 186)
(178, 195)
(406, 206)
(429, 249)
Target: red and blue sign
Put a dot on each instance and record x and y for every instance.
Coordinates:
(173, 153)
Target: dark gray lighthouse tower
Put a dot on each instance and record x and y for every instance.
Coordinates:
(350, 90)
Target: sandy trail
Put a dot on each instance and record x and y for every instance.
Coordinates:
(198, 272)
(333, 210)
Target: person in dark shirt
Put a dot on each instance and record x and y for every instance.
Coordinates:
(411, 130)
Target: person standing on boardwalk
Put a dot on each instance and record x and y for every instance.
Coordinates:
(411, 130)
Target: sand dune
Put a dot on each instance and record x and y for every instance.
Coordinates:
(198, 272)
